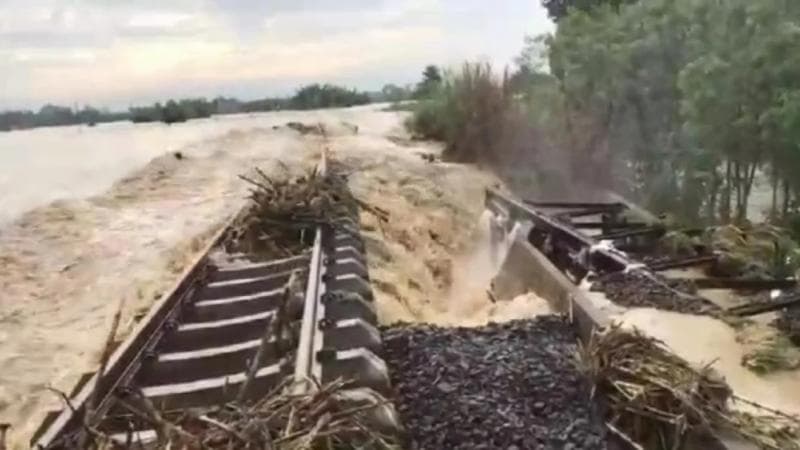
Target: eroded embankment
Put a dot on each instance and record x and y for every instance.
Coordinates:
(429, 263)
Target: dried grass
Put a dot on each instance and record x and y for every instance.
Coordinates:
(658, 400)
(284, 211)
(322, 418)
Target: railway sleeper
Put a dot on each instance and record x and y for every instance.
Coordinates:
(197, 358)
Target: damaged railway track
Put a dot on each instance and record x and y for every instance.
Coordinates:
(265, 312)
(571, 252)
(599, 243)
(235, 328)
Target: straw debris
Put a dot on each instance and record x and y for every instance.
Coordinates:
(659, 401)
(284, 211)
(321, 418)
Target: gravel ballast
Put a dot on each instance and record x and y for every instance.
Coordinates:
(637, 290)
(511, 386)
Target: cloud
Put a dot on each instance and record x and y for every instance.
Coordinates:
(115, 52)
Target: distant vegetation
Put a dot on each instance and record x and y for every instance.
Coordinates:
(680, 104)
(53, 115)
(307, 97)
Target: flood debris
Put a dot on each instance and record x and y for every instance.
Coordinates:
(284, 210)
(658, 400)
(322, 418)
(774, 352)
(789, 322)
(305, 129)
(503, 386)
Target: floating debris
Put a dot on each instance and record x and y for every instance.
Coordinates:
(657, 400)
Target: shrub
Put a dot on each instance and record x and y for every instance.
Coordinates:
(468, 112)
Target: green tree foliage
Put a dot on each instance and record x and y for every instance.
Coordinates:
(686, 100)
(327, 96)
(394, 93)
(431, 81)
(54, 115)
(558, 9)
(467, 111)
(174, 111)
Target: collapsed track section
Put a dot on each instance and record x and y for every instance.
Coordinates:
(611, 244)
(563, 251)
(235, 330)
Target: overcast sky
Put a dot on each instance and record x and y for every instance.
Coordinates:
(120, 52)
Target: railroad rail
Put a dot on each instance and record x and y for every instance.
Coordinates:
(584, 239)
(551, 248)
(211, 339)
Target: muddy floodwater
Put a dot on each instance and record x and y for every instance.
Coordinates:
(92, 218)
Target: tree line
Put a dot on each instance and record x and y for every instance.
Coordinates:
(687, 101)
(682, 104)
(172, 111)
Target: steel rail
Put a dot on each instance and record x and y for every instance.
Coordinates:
(125, 356)
(591, 255)
(304, 373)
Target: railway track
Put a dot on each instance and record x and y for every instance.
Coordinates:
(587, 258)
(590, 240)
(212, 339)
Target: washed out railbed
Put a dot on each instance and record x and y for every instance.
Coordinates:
(553, 258)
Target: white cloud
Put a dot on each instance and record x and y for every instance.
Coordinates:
(114, 51)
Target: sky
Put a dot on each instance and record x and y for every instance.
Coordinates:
(116, 53)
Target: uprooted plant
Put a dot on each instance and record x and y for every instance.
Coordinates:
(294, 415)
(321, 418)
(283, 211)
(657, 400)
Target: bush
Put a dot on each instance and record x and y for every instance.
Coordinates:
(428, 120)
(327, 96)
(468, 112)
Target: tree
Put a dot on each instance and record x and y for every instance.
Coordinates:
(327, 96)
(431, 81)
(394, 93)
(688, 101)
(558, 9)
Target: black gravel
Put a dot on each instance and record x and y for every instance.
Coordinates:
(511, 386)
(634, 289)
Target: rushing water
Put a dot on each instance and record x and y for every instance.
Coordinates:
(132, 218)
(40, 165)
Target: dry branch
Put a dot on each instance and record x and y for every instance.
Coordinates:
(285, 211)
(281, 420)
